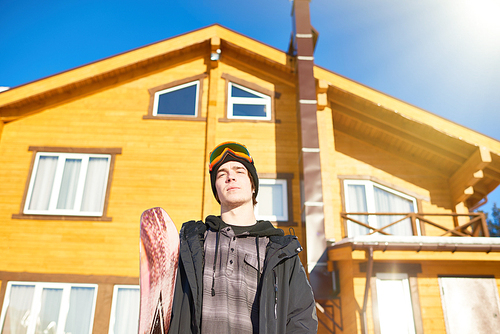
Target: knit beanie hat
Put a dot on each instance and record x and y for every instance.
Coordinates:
(232, 151)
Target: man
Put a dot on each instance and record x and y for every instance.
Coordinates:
(236, 274)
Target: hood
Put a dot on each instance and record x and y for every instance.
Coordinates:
(263, 228)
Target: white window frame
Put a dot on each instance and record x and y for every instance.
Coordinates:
(406, 312)
(173, 89)
(37, 300)
(284, 184)
(370, 200)
(264, 100)
(112, 320)
(54, 196)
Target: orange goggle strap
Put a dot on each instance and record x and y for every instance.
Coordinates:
(219, 157)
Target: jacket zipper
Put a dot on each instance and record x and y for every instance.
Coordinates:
(275, 295)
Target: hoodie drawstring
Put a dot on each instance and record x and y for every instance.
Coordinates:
(258, 259)
(215, 259)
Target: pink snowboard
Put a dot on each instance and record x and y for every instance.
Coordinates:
(159, 259)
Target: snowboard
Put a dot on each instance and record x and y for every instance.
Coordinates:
(159, 255)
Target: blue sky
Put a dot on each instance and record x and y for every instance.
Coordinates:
(442, 56)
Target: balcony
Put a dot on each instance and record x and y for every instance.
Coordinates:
(474, 225)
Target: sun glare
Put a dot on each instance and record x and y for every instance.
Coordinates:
(484, 14)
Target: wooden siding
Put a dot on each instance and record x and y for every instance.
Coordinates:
(162, 164)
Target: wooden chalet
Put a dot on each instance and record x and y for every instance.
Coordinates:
(380, 192)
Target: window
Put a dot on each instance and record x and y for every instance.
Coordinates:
(180, 100)
(72, 184)
(125, 310)
(32, 308)
(470, 304)
(395, 311)
(272, 200)
(367, 196)
(246, 103)
(177, 100)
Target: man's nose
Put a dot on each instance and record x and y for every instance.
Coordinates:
(230, 176)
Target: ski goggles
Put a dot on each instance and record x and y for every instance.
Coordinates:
(236, 149)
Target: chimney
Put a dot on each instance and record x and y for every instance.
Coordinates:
(302, 46)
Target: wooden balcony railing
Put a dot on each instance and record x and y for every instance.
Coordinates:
(475, 227)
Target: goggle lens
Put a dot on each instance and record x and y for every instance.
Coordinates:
(237, 149)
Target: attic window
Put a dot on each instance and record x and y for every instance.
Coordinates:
(180, 99)
(246, 103)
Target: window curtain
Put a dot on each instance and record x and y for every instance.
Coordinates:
(470, 304)
(44, 180)
(81, 301)
(69, 184)
(394, 305)
(389, 202)
(127, 311)
(48, 319)
(95, 185)
(19, 309)
(357, 203)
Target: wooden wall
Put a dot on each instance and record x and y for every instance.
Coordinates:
(163, 163)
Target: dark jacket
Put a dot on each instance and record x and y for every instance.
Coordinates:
(286, 301)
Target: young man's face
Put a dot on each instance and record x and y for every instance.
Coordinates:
(233, 184)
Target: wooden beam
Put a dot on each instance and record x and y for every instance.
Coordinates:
(209, 203)
(463, 180)
(396, 132)
(214, 51)
(397, 120)
(492, 174)
(321, 89)
(391, 150)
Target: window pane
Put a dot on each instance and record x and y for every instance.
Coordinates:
(238, 92)
(178, 102)
(44, 180)
(271, 200)
(80, 179)
(127, 311)
(394, 305)
(21, 298)
(79, 320)
(49, 312)
(357, 203)
(249, 110)
(95, 185)
(69, 184)
(389, 202)
(470, 305)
